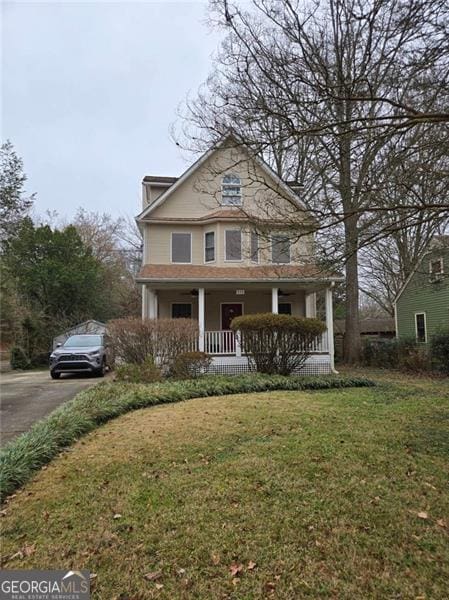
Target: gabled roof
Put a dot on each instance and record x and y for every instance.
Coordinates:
(289, 193)
(437, 242)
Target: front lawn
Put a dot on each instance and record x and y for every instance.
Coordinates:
(332, 494)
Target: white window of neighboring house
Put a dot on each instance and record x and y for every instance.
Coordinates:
(209, 246)
(231, 193)
(436, 269)
(181, 310)
(280, 248)
(420, 327)
(254, 247)
(181, 247)
(233, 244)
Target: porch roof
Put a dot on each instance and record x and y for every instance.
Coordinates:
(196, 273)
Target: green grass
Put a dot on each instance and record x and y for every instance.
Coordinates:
(323, 490)
(20, 459)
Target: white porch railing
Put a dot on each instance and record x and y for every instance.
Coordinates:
(219, 342)
(224, 342)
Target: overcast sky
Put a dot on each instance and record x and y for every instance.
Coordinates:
(90, 90)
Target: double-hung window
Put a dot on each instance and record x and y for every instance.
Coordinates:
(181, 247)
(233, 244)
(209, 246)
(254, 247)
(280, 248)
(285, 308)
(436, 269)
(420, 327)
(231, 193)
(181, 310)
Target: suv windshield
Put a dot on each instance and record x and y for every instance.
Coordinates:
(78, 341)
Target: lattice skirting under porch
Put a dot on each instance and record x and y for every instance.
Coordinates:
(235, 365)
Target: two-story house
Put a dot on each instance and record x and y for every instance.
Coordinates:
(422, 304)
(216, 246)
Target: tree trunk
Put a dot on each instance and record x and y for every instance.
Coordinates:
(352, 328)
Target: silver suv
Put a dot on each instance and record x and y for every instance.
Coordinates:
(85, 353)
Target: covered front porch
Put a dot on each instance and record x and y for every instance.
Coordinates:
(214, 305)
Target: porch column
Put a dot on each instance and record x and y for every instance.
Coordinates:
(330, 324)
(144, 302)
(311, 305)
(152, 304)
(275, 300)
(201, 319)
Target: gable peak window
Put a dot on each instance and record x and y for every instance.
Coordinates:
(436, 269)
(181, 247)
(231, 192)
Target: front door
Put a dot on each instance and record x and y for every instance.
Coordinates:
(229, 312)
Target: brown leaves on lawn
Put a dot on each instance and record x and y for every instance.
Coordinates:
(235, 569)
(27, 550)
(422, 515)
(154, 576)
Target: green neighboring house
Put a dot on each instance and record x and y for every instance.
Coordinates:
(422, 304)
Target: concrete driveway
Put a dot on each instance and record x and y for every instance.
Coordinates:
(28, 396)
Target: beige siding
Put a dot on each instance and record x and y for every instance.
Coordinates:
(157, 243)
(253, 302)
(201, 192)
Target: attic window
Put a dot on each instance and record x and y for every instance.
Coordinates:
(231, 194)
(436, 269)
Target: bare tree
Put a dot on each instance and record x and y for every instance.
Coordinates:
(323, 90)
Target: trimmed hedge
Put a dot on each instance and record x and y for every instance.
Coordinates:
(277, 344)
(22, 457)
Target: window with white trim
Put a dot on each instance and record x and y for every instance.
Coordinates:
(233, 244)
(254, 247)
(181, 310)
(436, 269)
(209, 246)
(181, 247)
(280, 248)
(231, 193)
(420, 326)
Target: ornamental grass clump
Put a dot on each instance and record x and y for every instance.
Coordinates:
(277, 344)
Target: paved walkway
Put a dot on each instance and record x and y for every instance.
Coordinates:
(26, 397)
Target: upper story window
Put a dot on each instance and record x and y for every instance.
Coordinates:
(181, 247)
(233, 244)
(436, 269)
(280, 248)
(231, 193)
(209, 246)
(254, 250)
